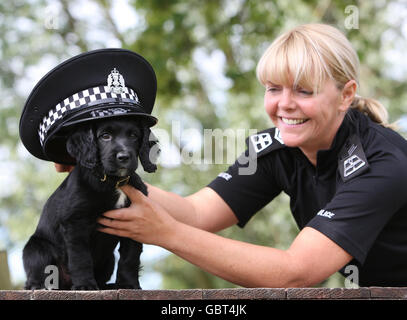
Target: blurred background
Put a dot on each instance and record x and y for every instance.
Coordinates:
(204, 54)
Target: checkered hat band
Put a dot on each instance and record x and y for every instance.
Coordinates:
(80, 100)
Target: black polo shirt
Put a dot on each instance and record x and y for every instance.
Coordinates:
(356, 195)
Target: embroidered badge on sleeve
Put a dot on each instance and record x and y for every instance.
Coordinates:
(352, 160)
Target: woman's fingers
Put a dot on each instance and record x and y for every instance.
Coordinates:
(112, 223)
(119, 214)
(114, 227)
(144, 221)
(116, 232)
(135, 196)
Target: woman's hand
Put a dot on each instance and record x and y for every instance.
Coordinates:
(144, 221)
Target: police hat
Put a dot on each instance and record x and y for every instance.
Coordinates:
(94, 85)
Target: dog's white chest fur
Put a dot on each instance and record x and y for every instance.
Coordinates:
(121, 201)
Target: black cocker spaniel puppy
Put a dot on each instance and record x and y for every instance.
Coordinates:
(106, 152)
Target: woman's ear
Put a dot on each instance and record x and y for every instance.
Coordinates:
(82, 146)
(149, 150)
(348, 94)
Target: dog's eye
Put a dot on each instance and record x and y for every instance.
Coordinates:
(105, 137)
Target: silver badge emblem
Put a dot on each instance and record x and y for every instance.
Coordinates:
(261, 141)
(115, 82)
(352, 164)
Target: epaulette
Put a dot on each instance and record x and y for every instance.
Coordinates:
(352, 159)
(264, 142)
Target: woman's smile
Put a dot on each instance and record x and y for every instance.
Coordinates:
(293, 121)
(307, 120)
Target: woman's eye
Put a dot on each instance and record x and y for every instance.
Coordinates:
(305, 92)
(272, 89)
(133, 135)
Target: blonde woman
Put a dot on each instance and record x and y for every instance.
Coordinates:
(331, 151)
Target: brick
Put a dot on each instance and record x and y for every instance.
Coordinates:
(97, 295)
(212, 294)
(307, 293)
(53, 295)
(328, 293)
(189, 294)
(244, 294)
(343, 293)
(388, 293)
(15, 295)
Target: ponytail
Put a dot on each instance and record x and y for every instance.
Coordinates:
(374, 110)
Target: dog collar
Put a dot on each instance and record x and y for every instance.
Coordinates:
(119, 183)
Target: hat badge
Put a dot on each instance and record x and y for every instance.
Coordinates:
(115, 82)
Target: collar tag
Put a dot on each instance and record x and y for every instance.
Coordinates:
(119, 183)
(261, 141)
(122, 182)
(264, 142)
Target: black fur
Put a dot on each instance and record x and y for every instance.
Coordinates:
(66, 235)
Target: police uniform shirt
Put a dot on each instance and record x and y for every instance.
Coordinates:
(356, 195)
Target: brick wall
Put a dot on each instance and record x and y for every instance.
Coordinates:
(370, 293)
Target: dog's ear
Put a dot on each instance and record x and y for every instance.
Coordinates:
(82, 146)
(149, 150)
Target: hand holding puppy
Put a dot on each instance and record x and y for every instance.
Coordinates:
(144, 221)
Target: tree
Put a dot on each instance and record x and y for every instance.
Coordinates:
(204, 54)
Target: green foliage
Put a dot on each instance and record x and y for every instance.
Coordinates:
(174, 36)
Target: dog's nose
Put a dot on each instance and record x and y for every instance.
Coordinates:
(123, 156)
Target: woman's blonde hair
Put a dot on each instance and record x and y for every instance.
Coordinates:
(310, 54)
